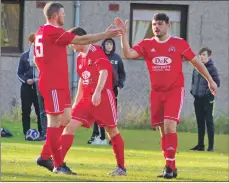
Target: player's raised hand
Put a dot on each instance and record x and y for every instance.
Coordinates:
(213, 87)
(113, 31)
(123, 25)
(96, 98)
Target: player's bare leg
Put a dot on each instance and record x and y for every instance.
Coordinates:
(118, 148)
(65, 118)
(169, 146)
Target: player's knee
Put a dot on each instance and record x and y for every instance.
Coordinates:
(65, 121)
(53, 120)
(72, 127)
(66, 117)
(112, 131)
(69, 129)
(170, 126)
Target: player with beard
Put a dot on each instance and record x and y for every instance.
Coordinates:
(164, 55)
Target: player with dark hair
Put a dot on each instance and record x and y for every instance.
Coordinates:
(51, 59)
(164, 55)
(95, 99)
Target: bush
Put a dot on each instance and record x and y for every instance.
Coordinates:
(187, 124)
(15, 115)
(222, 123)
(141, 121)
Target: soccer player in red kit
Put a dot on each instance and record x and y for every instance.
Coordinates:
(95, 100)
(51, 59)
(164, 55)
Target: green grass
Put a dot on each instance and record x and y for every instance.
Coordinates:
(144, 160)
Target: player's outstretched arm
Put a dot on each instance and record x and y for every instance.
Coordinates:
(128, 53)
(79, 93)
(204, 72)
(93, 38)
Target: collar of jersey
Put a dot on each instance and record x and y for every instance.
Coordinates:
(52, 25)
(164, 40)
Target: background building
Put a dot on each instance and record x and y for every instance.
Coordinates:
(204, 23)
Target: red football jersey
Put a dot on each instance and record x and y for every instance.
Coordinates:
(88, 67)
(164, 61)
(51, 56)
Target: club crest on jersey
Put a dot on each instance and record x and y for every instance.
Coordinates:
(172, 49)
(80, 66)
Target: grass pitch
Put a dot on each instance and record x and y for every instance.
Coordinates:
(143, 158)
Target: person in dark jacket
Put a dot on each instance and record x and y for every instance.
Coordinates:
(25, 74)
(204, 100)
(109, 48)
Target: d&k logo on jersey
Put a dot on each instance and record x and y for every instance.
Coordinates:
(161, 63)
(162, 60)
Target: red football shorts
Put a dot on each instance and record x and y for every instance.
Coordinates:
(105, 114)
(166, 105)
(56, 100)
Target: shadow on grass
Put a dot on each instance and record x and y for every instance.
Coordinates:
(46, 178)
(21, 177)
(194, 179)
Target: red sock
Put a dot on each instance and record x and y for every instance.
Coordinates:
(171, 147)
(46, 153)
(163, 146)
(54, 144)
(118, 148)
(66, 142)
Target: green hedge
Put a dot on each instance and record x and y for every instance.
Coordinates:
(142, 121)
